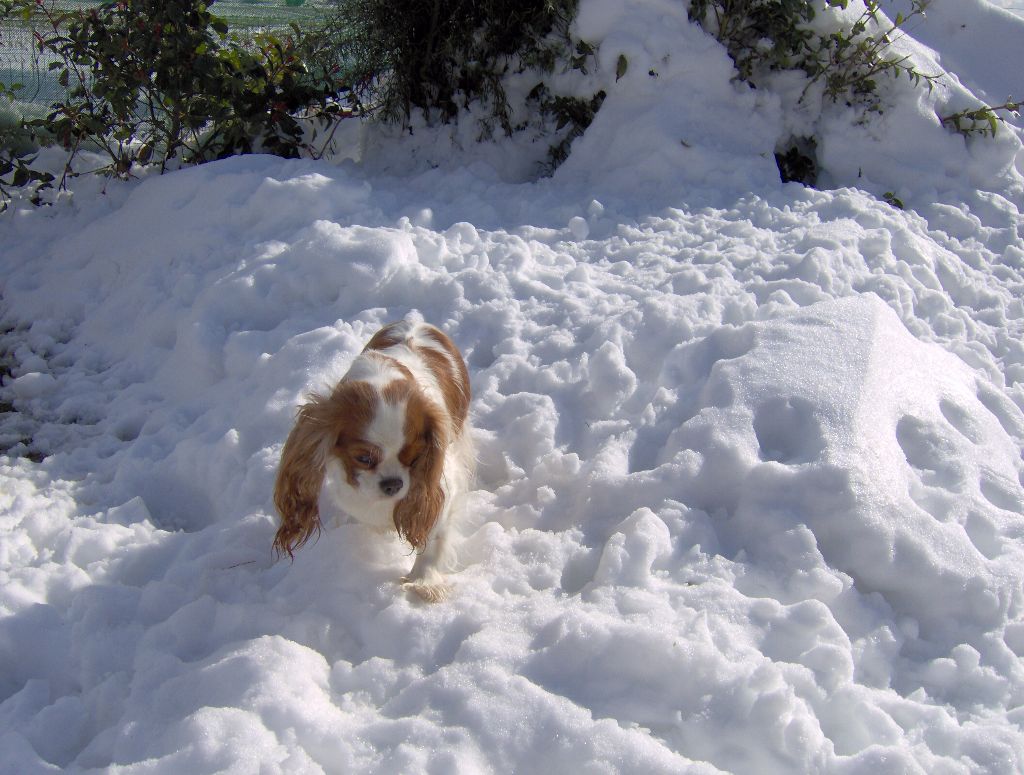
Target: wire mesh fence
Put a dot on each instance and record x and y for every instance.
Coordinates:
(21, 64)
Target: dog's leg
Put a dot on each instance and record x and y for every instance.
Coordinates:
(427, 577)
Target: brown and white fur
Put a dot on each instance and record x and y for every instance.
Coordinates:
(393, 440)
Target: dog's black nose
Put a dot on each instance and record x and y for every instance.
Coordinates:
(390, 486)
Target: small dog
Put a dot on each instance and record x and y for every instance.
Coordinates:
(394, 437)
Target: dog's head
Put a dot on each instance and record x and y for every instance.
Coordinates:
(388, 438)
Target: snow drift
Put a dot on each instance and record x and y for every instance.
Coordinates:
(750, 493)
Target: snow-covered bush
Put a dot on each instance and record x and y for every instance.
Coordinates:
(848, 57)
(842, 57)
(438, 56)
(16, 168)
(445, 58)
(531, 65)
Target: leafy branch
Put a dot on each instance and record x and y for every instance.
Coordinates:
(851, 60)
(980, 121)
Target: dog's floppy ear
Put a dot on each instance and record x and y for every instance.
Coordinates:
(300, 476)
(417, 512)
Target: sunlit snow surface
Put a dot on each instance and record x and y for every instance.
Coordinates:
(750, 492)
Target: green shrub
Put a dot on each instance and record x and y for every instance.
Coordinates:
(16, 170)
(766, 35)
(572, 115)
(161, 80)
(758, 34)
(796, 161)
(438, 56)
(762, 36)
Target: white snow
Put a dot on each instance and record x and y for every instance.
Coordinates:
(751, 490)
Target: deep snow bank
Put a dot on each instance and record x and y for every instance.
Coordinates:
(732, 516)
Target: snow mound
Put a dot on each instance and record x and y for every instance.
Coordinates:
(732, 515)
(892, 453)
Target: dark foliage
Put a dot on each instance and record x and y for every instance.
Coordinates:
(438, 56)
(797, 161)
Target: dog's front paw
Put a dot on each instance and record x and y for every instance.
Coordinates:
(432, 592)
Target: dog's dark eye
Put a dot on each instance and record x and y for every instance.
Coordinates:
(364, 460)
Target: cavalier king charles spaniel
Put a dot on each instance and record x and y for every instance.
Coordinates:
(392, 439)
